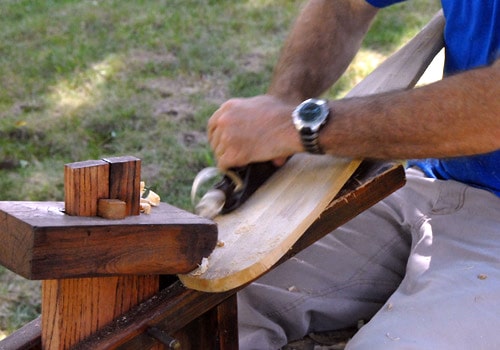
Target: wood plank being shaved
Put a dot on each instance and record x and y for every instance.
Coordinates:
(264, 228)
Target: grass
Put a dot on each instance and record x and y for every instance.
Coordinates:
(89, 79)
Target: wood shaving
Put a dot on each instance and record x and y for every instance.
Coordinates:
(145, 207)
(202, 268)
(148, 199)
(149, 196)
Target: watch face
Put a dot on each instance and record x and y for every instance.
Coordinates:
(310, 112)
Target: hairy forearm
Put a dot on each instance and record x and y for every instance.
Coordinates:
(322, 43)
(457, 116)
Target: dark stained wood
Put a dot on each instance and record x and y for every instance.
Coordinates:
(40, 242)
(182, 306)
(215, 329)
(27, 337)
(84, 184)
(125, 181)
(227, 324)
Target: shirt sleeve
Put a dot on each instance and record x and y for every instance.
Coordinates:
(383, 3)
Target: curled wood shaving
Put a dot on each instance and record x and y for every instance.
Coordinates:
(202, 268)
(148, 199)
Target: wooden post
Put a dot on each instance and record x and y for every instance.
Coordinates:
(73, 309)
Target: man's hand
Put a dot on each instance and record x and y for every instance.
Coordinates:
(249, 130)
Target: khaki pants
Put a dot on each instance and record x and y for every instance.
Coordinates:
(423, 266)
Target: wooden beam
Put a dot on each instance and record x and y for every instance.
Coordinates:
(40, 242)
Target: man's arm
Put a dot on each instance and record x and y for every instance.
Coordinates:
(324, 39)
(319, 48)
(457, 116)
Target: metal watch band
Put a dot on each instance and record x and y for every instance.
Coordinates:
(310, 141)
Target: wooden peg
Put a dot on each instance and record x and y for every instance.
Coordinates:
(113, 209)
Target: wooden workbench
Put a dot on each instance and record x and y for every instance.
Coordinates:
(177, 311)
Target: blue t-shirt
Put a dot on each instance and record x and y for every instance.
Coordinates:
(472, 39)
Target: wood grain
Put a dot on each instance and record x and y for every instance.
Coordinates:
(264, 228)
(84, 184)
(124, 181)
(72, 309)
(113, 209)
(258, 233)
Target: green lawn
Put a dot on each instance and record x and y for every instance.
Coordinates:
(89, 79)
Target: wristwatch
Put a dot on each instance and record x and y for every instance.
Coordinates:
(309, 117)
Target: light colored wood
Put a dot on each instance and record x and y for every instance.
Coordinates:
(260, 232)
(113, 209)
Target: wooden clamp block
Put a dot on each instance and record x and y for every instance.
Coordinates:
(88, 182)
(84, 184)
(125, 182)
(72, 309)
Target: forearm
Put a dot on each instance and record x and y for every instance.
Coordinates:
(322, 43)
(457, 116)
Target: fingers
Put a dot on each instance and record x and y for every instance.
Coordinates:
(247, 130)
(279, 162)
(224, 134)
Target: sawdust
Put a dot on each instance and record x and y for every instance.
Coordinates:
(245, 228)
